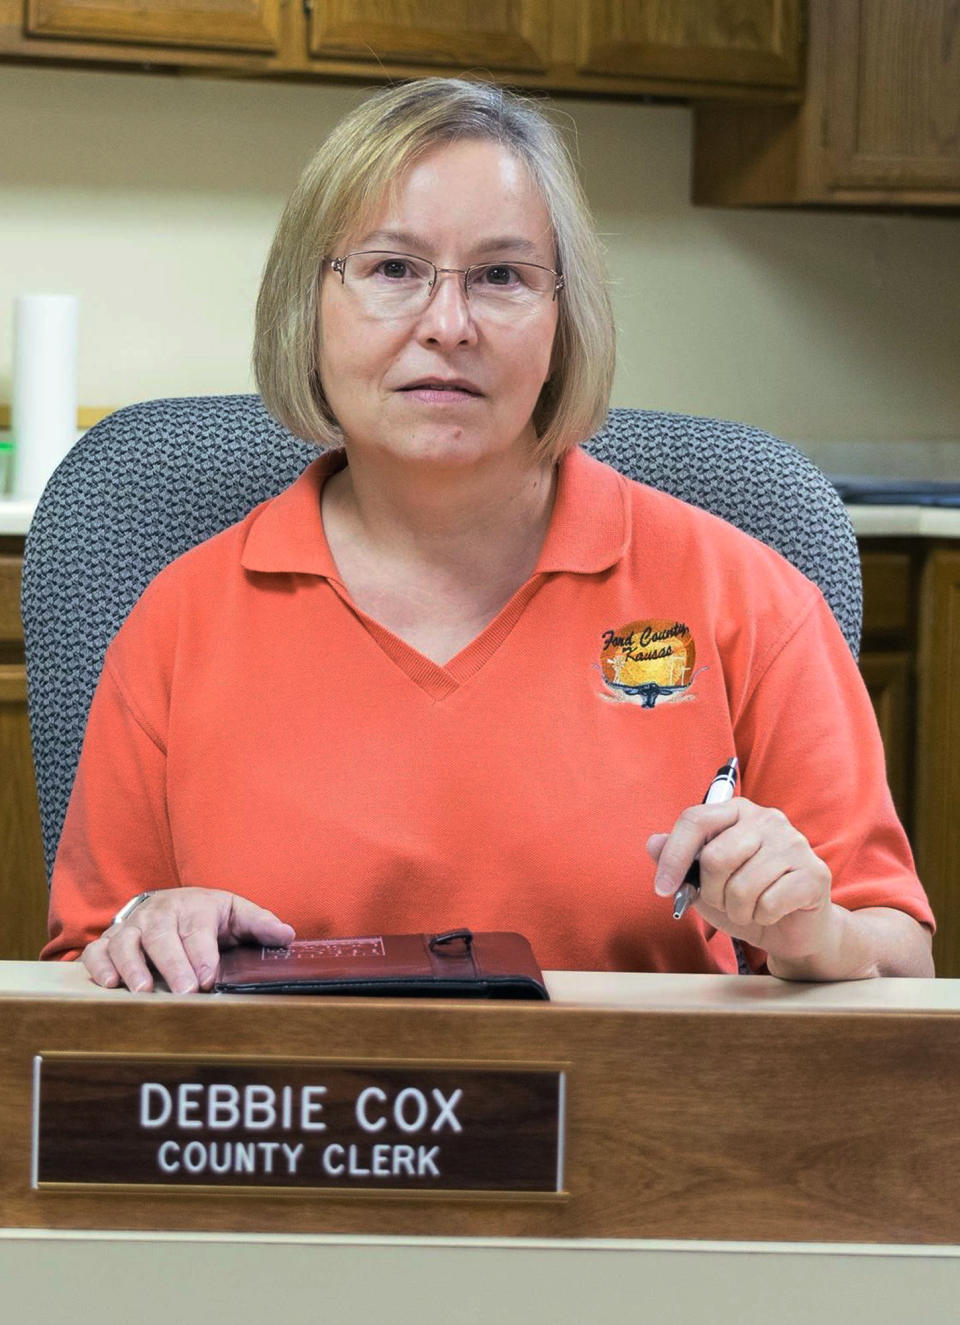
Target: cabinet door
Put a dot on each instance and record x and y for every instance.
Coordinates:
(887, 663)
(879, 124)
(888, 679)
(450, 34)
(23, 883)
(893, 94)
(251, 25)
(743, 41)
(937, 806)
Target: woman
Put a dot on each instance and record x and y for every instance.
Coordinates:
(459, 672)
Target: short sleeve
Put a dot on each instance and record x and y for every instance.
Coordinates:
(116, 838)
(811, 747)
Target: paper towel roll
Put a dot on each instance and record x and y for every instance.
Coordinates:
(44, 386)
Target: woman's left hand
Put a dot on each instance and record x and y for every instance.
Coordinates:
(760, 880)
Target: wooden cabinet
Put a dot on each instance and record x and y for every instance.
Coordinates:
(674, 48)
(221, 25)
(23, 884)
(893, 96)
(911, 663)
(937, 781)
(755, 42)
(879, 125)
(459, 34)
(888, 657)
(889, 679)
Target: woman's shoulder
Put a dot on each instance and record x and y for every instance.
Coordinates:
(741, 593)
(271, 536)
(679, 537)
(201, 566)
(744, 601)
(185, 598)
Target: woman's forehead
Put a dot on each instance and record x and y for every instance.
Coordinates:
(474, 194)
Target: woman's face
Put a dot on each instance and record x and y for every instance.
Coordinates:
(459, 204)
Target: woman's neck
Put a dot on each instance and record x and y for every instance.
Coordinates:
(481, 524)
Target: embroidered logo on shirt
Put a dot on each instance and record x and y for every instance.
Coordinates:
(648, 663)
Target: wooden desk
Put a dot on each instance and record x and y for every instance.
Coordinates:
(737, 1149)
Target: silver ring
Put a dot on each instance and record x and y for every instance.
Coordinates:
(128, 908)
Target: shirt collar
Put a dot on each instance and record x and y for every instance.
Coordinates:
(590, 526)
(286, 534)
(588, 532)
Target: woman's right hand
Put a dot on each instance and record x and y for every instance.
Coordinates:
(181, 931)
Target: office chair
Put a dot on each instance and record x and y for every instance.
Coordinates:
(152, 480)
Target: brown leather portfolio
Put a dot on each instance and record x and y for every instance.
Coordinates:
(458, 964)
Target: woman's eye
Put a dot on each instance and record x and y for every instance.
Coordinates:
(501, 275)
(394, 269)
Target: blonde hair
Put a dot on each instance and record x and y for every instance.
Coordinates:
(360, 161)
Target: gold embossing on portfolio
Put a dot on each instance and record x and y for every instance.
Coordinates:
(306, 949)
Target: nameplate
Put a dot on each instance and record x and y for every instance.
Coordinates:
(129, 1121)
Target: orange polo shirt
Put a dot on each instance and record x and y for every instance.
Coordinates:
(253, 730)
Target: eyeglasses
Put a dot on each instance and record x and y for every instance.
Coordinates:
(398, 284)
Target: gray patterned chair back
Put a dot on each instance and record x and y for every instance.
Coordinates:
(152, 480)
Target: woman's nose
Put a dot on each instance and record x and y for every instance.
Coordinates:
(448, 317)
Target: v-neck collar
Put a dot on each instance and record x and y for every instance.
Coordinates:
(588, 532)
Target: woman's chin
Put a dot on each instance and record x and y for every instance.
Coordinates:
(452, 446)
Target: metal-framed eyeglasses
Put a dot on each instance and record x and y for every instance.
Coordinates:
(400, 284)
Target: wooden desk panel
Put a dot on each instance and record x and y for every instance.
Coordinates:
(698, 1107)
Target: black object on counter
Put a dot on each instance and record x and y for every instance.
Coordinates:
(857, 491)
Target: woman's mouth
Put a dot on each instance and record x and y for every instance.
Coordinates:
(442, 391)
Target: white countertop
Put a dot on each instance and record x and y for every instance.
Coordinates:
(905, 521)
(15, 514)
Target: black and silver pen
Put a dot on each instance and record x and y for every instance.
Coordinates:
(720, 789)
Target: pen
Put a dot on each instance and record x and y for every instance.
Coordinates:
(720, 789)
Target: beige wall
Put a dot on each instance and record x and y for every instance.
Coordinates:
(154, 198)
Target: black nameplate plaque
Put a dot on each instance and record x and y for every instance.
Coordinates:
(129, 1121)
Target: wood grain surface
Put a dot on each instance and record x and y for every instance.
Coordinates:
(937, 787)
(878, 124)
(737, 1124)
(23, 879)
(686, 48)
